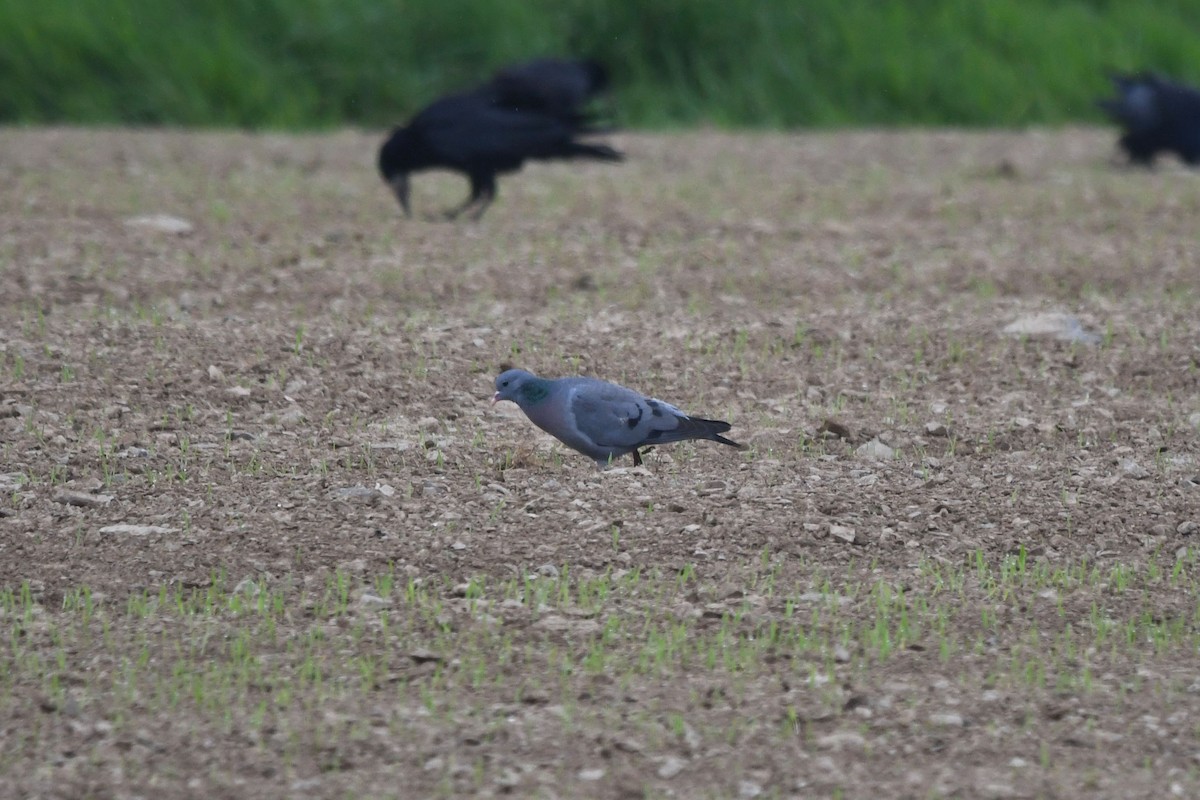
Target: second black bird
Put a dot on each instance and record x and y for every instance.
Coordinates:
(561, 88)
(529, 111)
(1156, 116)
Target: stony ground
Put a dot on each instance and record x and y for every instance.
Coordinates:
(263, 535)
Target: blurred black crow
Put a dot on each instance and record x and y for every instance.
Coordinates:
(560, 88)
(1156, 116)
(472, 134)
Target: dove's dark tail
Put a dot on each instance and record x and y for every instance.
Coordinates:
(695, 428)
(714, 428)
(716, 437)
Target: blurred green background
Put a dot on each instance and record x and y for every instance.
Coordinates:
(761, 63)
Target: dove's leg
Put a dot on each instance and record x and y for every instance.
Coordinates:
(637, 458)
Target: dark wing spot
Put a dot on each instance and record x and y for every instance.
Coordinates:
(655, 408)
(632, 422)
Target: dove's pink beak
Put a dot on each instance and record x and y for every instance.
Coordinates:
(495, 398)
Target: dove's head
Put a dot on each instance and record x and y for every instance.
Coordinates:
(520, 387)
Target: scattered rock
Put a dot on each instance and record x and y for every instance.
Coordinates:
(936, 429)
(161, 223)
(1063, 327)
(559, 624)
(372, 601)
(1187, 528)
(292, 418)
(508, 779)
(395, 444)
(594, 774)
(137, 530)
(748, 789)
(424, 656)
(818, 597)
(876, 450)
(216, 374)
(247, 586)
(844, 533)
(670, 767)
(238, 391)
(358, 494)
(1134, 469)
(628, 745)
(842, 740)
(947, 719)
(691, 737)
(82, 499)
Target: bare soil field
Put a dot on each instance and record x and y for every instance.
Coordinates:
(263, 535)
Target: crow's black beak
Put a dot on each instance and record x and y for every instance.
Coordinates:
(399, 184)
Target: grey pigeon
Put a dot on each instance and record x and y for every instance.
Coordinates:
(602, 420)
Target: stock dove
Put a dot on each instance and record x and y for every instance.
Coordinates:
(602, 420)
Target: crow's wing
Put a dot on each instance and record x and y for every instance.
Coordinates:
(552, 86)
(472, 130)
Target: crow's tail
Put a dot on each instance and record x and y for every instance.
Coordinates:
(601, 152)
